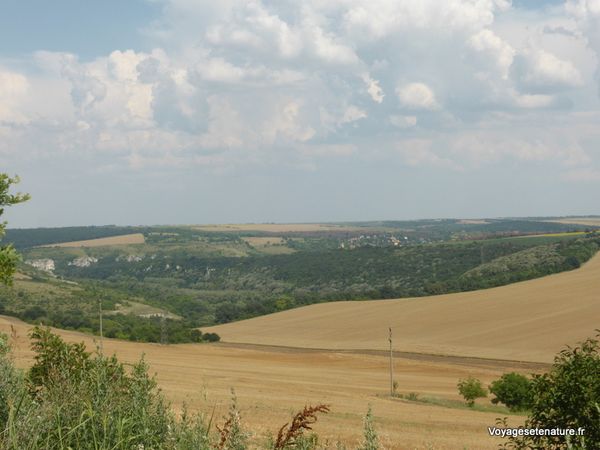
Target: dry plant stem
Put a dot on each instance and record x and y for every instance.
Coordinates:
(224, 432)
(302, 421)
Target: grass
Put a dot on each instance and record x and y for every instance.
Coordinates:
(458, 404)
(269, 245)
(141, 309)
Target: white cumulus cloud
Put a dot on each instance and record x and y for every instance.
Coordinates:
(417, 96)
(538, 70)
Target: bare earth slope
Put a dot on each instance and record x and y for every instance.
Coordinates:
(528, 321)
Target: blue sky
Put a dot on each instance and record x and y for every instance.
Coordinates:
(188, 111)
(86, 28)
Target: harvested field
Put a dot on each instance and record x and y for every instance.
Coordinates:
(263, 241)
(277, 227)
(473, 222)
(564, 234)
(125, 239)
(270, 245)
(590, 221)
(529, 321)
(142, 310)
(271, 383)
(21, 276)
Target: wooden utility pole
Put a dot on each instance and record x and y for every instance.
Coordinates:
(391, 365)
(101, 331)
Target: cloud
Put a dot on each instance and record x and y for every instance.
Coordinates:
(587, 16)
(416, 96)
(234, 82)
(419, 152)
(586, 175)
(13, 88)
(403, 121)
(352, 114)
(533, 101)
(561, 30)
(501, 54)
(539, 71)
(373, 88)
(376, 19)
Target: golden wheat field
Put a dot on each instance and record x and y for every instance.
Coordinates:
(125, 239)
(590, 221)
(271, 383)
(529, 321)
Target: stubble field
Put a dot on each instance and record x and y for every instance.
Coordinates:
(271, 383)
(125, 239)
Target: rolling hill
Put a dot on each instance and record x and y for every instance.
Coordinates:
(529, 321)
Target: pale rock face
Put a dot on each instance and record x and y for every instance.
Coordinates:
(83, 261)
(45, 264)
(129, 258)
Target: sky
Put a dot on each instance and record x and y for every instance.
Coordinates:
(191, 111)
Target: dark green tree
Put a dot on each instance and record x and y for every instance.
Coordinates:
(8, 256)
(514, 390)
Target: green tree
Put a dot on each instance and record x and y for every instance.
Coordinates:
(514, 390)
(567, 397)
(8, 256)
(471, 389)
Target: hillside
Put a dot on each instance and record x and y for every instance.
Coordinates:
(530, 321)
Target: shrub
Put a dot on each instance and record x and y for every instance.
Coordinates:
(211, 337)
(471, 389)
(10, 381)
(566, 397)
(77, 400)
(232, 437)
(514, 390)
(370, 439)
